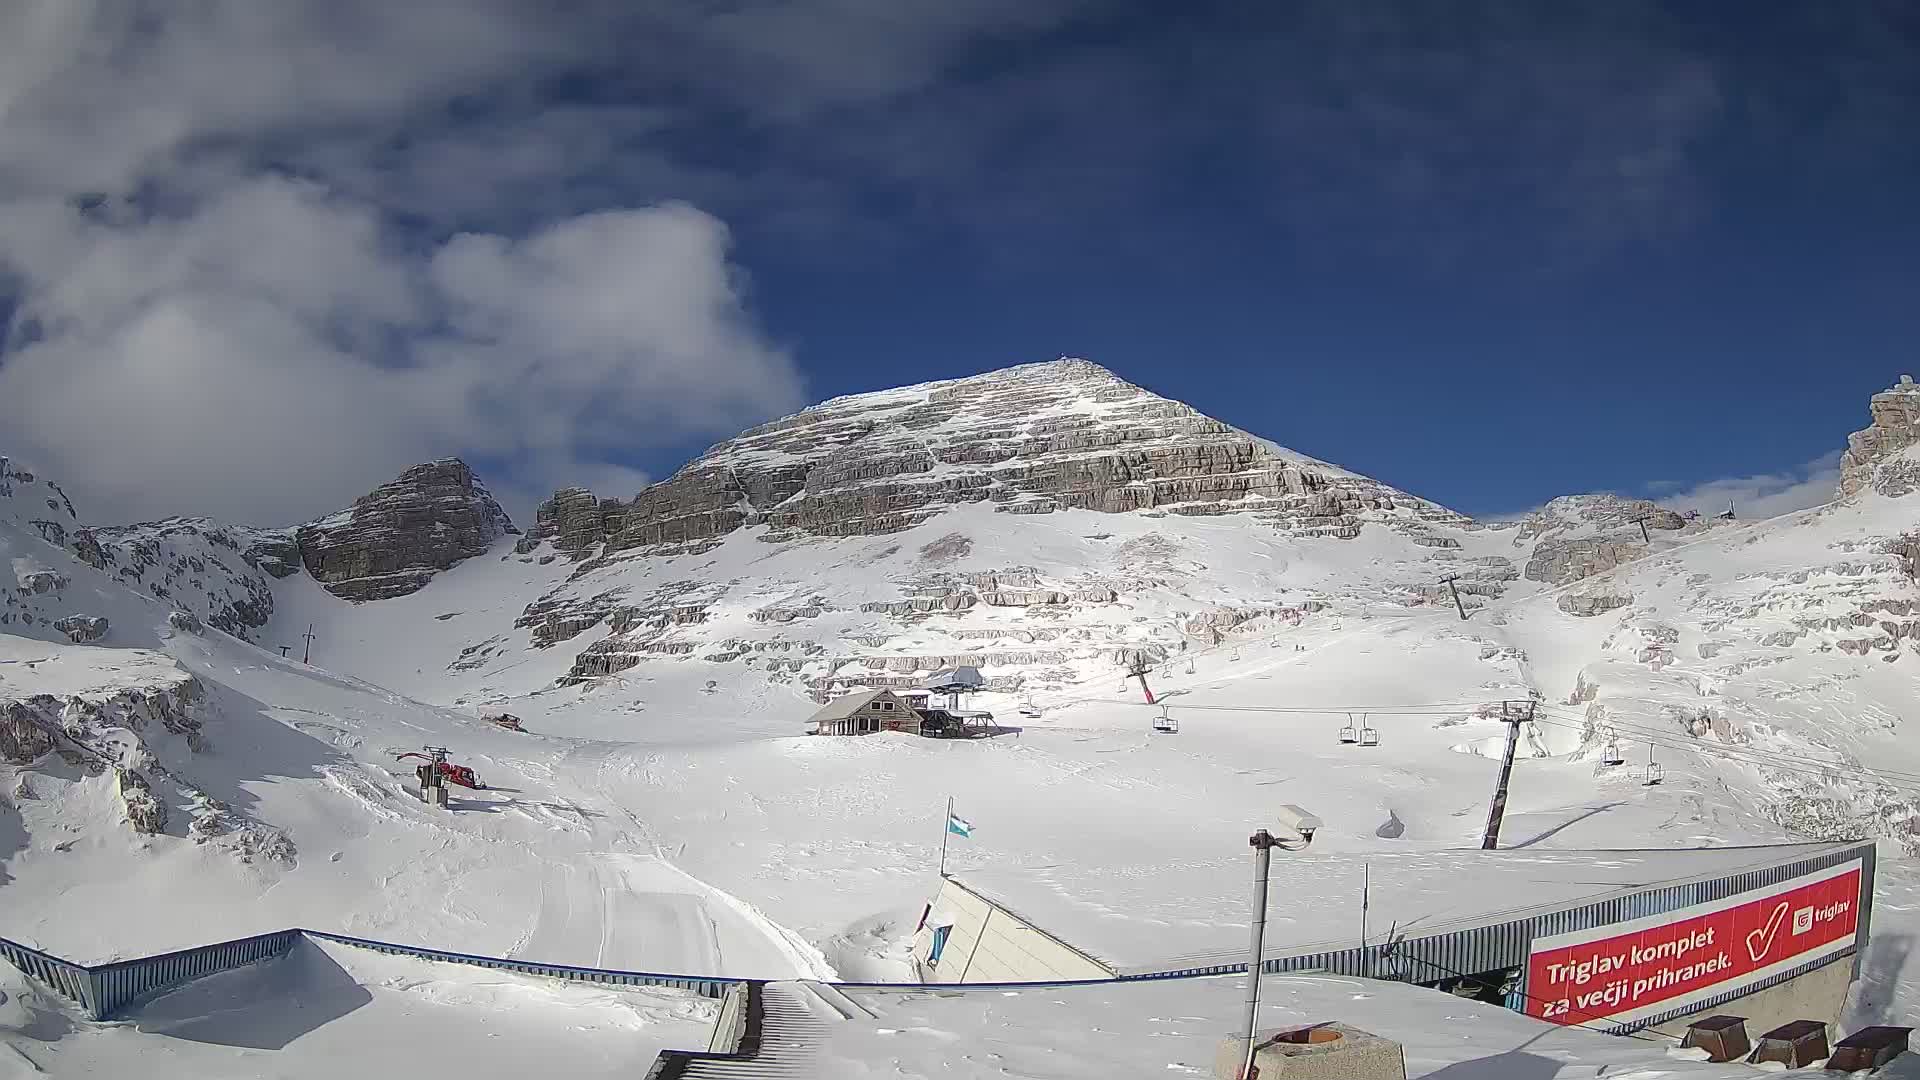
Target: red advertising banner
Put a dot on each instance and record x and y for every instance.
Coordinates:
(1699, 951)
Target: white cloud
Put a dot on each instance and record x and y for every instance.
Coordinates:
(206, 333)
(1764, 495)
(275, 352)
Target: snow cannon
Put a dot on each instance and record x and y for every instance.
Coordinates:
(448, 772)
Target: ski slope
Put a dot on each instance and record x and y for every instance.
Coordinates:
(674, 817)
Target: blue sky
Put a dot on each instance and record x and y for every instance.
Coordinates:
(1487, 252)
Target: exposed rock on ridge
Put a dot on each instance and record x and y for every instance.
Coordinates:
(394, 539)
(1061, 435)
(219, 572)
(1874, 454)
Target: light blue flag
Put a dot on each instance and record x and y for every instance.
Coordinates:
(958, 825)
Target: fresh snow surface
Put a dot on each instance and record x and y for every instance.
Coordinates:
(654, 821)
(326, 1011)
(1172, 1028)
(1160, 916)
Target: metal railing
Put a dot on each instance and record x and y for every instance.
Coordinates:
(66, 978)
(106, 990)
(123, 982)
(704, 985)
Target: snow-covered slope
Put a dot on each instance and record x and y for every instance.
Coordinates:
(663, 810)
(1044, 523)
(169, 783)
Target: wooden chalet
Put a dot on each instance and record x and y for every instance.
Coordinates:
(866, 713)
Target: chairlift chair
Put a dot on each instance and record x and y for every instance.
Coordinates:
(1189, 667)
(1610, 754)
(1165, 723)
(1655, 773)
(1236, 656)
(1369, 736)
(1029, 710)
(1349, 735)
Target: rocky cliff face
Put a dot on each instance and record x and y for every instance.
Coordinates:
(1578, 536)
(836, 589)
(1030, 440)
(394, 539)
(222, 574)
(1875, 455)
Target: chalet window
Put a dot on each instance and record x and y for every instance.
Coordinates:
(886, 704)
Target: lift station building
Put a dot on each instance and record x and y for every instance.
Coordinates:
(1614, 940)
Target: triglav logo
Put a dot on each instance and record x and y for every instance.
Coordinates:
(1803, 920)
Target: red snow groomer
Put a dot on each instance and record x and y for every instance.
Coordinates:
(449, 772)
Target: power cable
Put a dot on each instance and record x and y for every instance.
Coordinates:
(1678, 740)
(1777, 763)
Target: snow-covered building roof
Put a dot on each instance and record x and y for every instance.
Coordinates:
(1186, 914)
(961, 678)
(1174, 1027)
(846, 705)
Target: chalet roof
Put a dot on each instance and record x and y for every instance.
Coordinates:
(841, 708)
(965, 677)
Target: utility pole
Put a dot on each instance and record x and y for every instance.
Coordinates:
(1642, 522)
(1263, 844)
(306, 655)
(1514, 718)
(1448, 581)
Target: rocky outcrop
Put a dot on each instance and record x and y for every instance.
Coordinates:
(43, 497)
(1587, 605)
(1600, 513)
(695, 506)
(25, 735)
(221, 573)
(1570, 560)
(144, 812)
(1874, 454)
(275, 551)
(82, 629)
(571, 519)
(396, 538)
(116, 736)
(1036, 438)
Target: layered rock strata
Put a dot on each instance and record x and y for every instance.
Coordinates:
(1874, 456)
(1031, 439)
(392, 541)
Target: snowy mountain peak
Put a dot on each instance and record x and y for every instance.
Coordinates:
(1032, 439)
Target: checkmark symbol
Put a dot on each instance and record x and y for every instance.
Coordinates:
(1760, 942)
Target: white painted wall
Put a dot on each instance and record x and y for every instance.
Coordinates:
(989, 944)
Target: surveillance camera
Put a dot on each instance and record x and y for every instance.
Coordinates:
(1291, 818)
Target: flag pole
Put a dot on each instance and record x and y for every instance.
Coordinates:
(945, 828)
